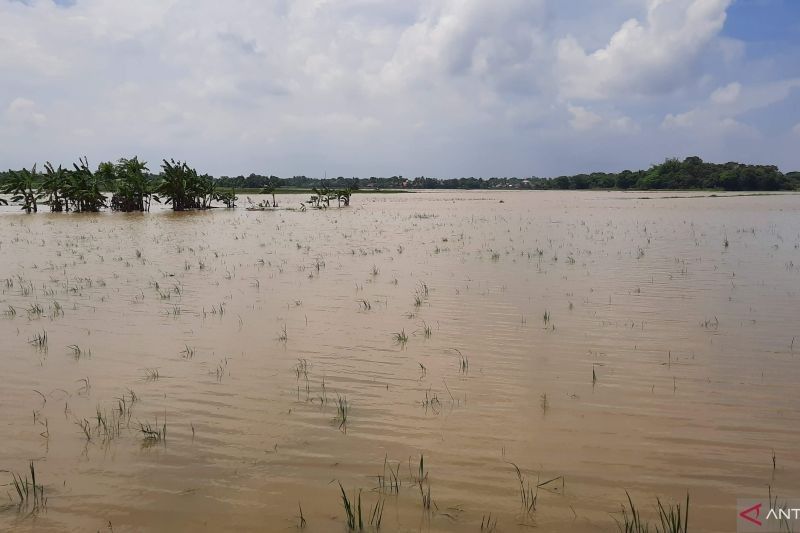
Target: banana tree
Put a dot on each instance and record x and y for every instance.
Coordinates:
(323, 195)
(178, 186)
(343, 196)
(85, 188)
(205, 191)
(55, 188)
(270, 189)
(134, 188)
(21, 186)
(227, 197)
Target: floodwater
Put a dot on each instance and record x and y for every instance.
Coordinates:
(609, 341)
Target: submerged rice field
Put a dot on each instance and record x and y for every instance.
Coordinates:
(448, 361)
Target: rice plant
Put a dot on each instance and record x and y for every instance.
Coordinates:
(35, 311)
(389, 482)
(86, 428)
(376, 514)
(421, 479)
(108, 426)
(342, 411)
(432, 402)
(39, 341)
(78, 352)
(57, 310)
(301, 369)
(527, 495)
(488, 524)
(187, 352)
(463, 361)
(153, 434)
(426, 497)
(400, 337)
(671, 519)
(352, 512)
(301, 524)
(27, 492)
(426, 330)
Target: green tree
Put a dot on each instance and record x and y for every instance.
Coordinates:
(173, 184)
(85, 188)
(343, 196)
(183, 188)
(54, 189)
(21, 186)
(204, 191)
(134, 187)
(270, 189)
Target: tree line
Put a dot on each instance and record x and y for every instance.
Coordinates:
(133, 187)
(691, 173)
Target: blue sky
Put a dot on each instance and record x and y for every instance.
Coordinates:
(764, 21)
(421, 87)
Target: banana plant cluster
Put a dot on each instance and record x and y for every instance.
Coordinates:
(60, 189)
(183, 188)
(133, 187)
(323, 195)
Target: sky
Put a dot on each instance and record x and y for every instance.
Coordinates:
(441, 88)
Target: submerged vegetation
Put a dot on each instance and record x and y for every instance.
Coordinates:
(27, 494)
(671, 519)
(133, 187)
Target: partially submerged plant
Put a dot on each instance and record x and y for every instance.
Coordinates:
(352, 512)
(153, 434)
(672, 519)
(401, 337)
(39, 341)
(342, 411)
(27, 493)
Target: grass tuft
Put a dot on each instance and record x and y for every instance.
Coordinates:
(671, 519)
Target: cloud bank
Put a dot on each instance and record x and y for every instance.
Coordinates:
(364, 87)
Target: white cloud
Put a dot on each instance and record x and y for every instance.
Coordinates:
(582, 118)
(22, 111)
(680, 120)
(730, 101)
(727, 94)
(624, 125)
(434, 87)
(642, 57)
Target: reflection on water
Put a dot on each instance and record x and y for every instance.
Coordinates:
(220, 370)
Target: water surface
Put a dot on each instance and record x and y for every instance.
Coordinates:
(610, 340)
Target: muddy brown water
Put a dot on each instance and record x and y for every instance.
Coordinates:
(242, 329)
